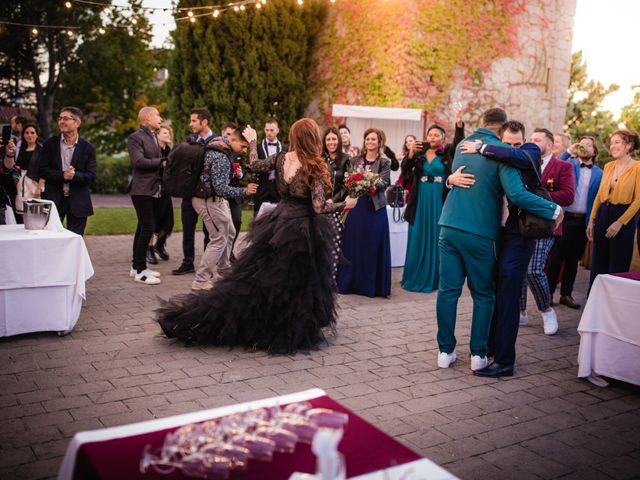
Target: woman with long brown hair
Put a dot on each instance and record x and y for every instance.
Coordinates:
(279, 295)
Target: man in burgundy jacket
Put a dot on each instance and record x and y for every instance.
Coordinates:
(557, 178)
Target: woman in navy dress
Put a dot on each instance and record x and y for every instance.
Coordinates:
(365, 268)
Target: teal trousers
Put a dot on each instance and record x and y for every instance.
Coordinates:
(463, 254)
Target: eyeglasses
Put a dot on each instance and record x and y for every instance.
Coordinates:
(65, 119)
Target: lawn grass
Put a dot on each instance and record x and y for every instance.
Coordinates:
(122, 221)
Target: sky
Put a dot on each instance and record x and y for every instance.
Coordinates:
(606, 32)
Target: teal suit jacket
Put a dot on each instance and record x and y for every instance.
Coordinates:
(478, 209)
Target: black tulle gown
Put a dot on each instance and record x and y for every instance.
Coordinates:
(279, 295)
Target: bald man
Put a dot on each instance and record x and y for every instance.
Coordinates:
(145, 156)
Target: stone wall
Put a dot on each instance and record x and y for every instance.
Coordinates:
(528, 74)
(532, 85)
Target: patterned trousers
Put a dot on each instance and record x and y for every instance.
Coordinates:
(536, 278)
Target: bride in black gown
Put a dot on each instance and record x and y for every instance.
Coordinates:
(279, 295)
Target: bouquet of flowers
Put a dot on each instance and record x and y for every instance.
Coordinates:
(360, 182)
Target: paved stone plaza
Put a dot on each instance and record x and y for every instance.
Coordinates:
(116, 368)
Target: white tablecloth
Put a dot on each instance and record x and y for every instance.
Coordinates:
(398, 232)
(610, 330)
(42, 284)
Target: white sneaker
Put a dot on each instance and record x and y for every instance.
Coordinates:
(446, 359)
(524, 319)
(206, 285)
(550, 322)
(146, 278)
(478, 362)
(151, 273)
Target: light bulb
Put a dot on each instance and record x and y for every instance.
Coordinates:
(34, 31)
(67, 4)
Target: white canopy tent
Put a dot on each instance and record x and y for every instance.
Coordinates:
(396, 123)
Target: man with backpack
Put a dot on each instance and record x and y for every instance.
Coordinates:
(185, 165)
(211, 202)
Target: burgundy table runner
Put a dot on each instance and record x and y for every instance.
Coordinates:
(365, 447)
(629, 275)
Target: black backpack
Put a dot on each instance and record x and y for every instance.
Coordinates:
(203, 190)
(184, 166)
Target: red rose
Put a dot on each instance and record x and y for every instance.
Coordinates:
(357, 177)
(372, 191)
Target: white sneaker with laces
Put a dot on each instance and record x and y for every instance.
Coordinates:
(146, 278)
(524, 319)
(446, 359)
(550, 322)
(152, 273)
(478, 362)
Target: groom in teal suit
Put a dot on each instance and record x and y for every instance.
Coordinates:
(470, 226)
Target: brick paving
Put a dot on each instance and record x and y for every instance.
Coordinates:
(116, 368)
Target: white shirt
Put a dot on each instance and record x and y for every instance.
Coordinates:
(579, 204)
(545, 162)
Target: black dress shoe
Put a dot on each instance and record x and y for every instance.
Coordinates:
(162, 253)
(151, 256)
(183, 269)
(495, 370)
(569, 302)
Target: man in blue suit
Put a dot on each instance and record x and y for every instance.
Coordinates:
(571, 246)
(470, 228)
(515, 250)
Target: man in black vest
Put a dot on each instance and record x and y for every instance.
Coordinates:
(235, 204)
(68, 165)
(144, 152)
(270, 145)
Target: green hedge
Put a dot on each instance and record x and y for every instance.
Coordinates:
(111, 174)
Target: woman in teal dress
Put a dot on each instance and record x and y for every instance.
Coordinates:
(427, 170)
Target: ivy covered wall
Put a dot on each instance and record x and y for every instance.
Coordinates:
(432, 54)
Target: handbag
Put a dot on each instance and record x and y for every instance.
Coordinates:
(396, 199)
(26, 190)
(530, 225)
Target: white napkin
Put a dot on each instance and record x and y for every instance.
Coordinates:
(9, 217)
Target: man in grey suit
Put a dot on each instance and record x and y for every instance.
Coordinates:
(145, 156)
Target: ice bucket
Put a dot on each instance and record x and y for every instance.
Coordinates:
(36, 214)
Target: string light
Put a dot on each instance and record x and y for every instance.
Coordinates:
(192, 13)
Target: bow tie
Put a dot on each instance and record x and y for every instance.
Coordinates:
(586, 165)
(274, 144)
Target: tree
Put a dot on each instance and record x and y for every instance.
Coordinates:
(111, 77)
(245, 66)
(35, 60)
(630, 115)
(585, 115)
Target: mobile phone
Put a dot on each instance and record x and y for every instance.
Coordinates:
(6, 134)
